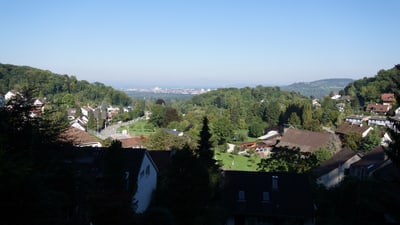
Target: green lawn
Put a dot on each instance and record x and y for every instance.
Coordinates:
(237, 162)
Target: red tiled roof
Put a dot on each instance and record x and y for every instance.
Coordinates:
(307, 141)
(378, 108)
(133, 142)
(77, 136)
(387, 97)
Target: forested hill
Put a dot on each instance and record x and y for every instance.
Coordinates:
(243, 106)
(58, 88)
(369, 89)
(319, 88)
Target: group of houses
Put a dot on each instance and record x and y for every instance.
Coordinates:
(260, 197)
(249, 197)
(79, 117)
(37, 103)
(344, 161)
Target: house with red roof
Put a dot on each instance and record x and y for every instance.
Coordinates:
(378, 108)
(387, 98)
(132, 142)
(80, 138)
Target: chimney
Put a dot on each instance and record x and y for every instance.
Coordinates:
(275, 183)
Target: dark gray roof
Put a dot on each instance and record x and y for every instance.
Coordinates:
(292, 198)
(333, 163)
(372, 159)
(345, 128)
(95, 157)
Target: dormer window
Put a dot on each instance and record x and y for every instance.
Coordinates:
(275, 183)
(265, 197)
(241, 196)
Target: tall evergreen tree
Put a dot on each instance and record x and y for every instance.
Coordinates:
(204, 150)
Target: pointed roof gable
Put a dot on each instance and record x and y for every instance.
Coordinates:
(373, 158)
(347, 127)
(334, 162)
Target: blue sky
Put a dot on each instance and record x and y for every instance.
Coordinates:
(202, 43)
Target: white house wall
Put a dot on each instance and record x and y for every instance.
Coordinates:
(334, 177)
(146, 184)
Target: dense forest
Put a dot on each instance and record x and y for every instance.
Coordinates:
(58, 89)
(369, 89)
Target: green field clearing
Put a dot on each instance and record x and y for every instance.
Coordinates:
(237, 162)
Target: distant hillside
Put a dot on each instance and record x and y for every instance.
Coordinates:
(319, 88)
(59, 89)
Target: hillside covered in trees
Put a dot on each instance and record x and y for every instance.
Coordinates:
(319, 88)
(59, 89)
(369, 89)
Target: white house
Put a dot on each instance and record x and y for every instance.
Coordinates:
(336, 97)
(140, 172)
(78, 123)
(397, 112)
(270, 134)
(355, 119)
(9, 95)
(38, 103)
(332, 171)
(146, 180)
(86, 109)
(379, 120)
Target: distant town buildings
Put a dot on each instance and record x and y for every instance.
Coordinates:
(184, 91)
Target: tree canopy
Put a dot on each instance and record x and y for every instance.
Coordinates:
(285, 159)
(59, 89)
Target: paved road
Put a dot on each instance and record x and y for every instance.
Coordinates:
(111, 131)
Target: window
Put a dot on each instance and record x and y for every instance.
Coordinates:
(147, 170)
(275, 183)
(241, 196)
(265, 196)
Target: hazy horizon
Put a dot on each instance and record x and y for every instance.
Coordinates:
(202, 43)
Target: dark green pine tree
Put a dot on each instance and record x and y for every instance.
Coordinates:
(204, 150)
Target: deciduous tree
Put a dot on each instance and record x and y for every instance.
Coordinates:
(285, 159)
